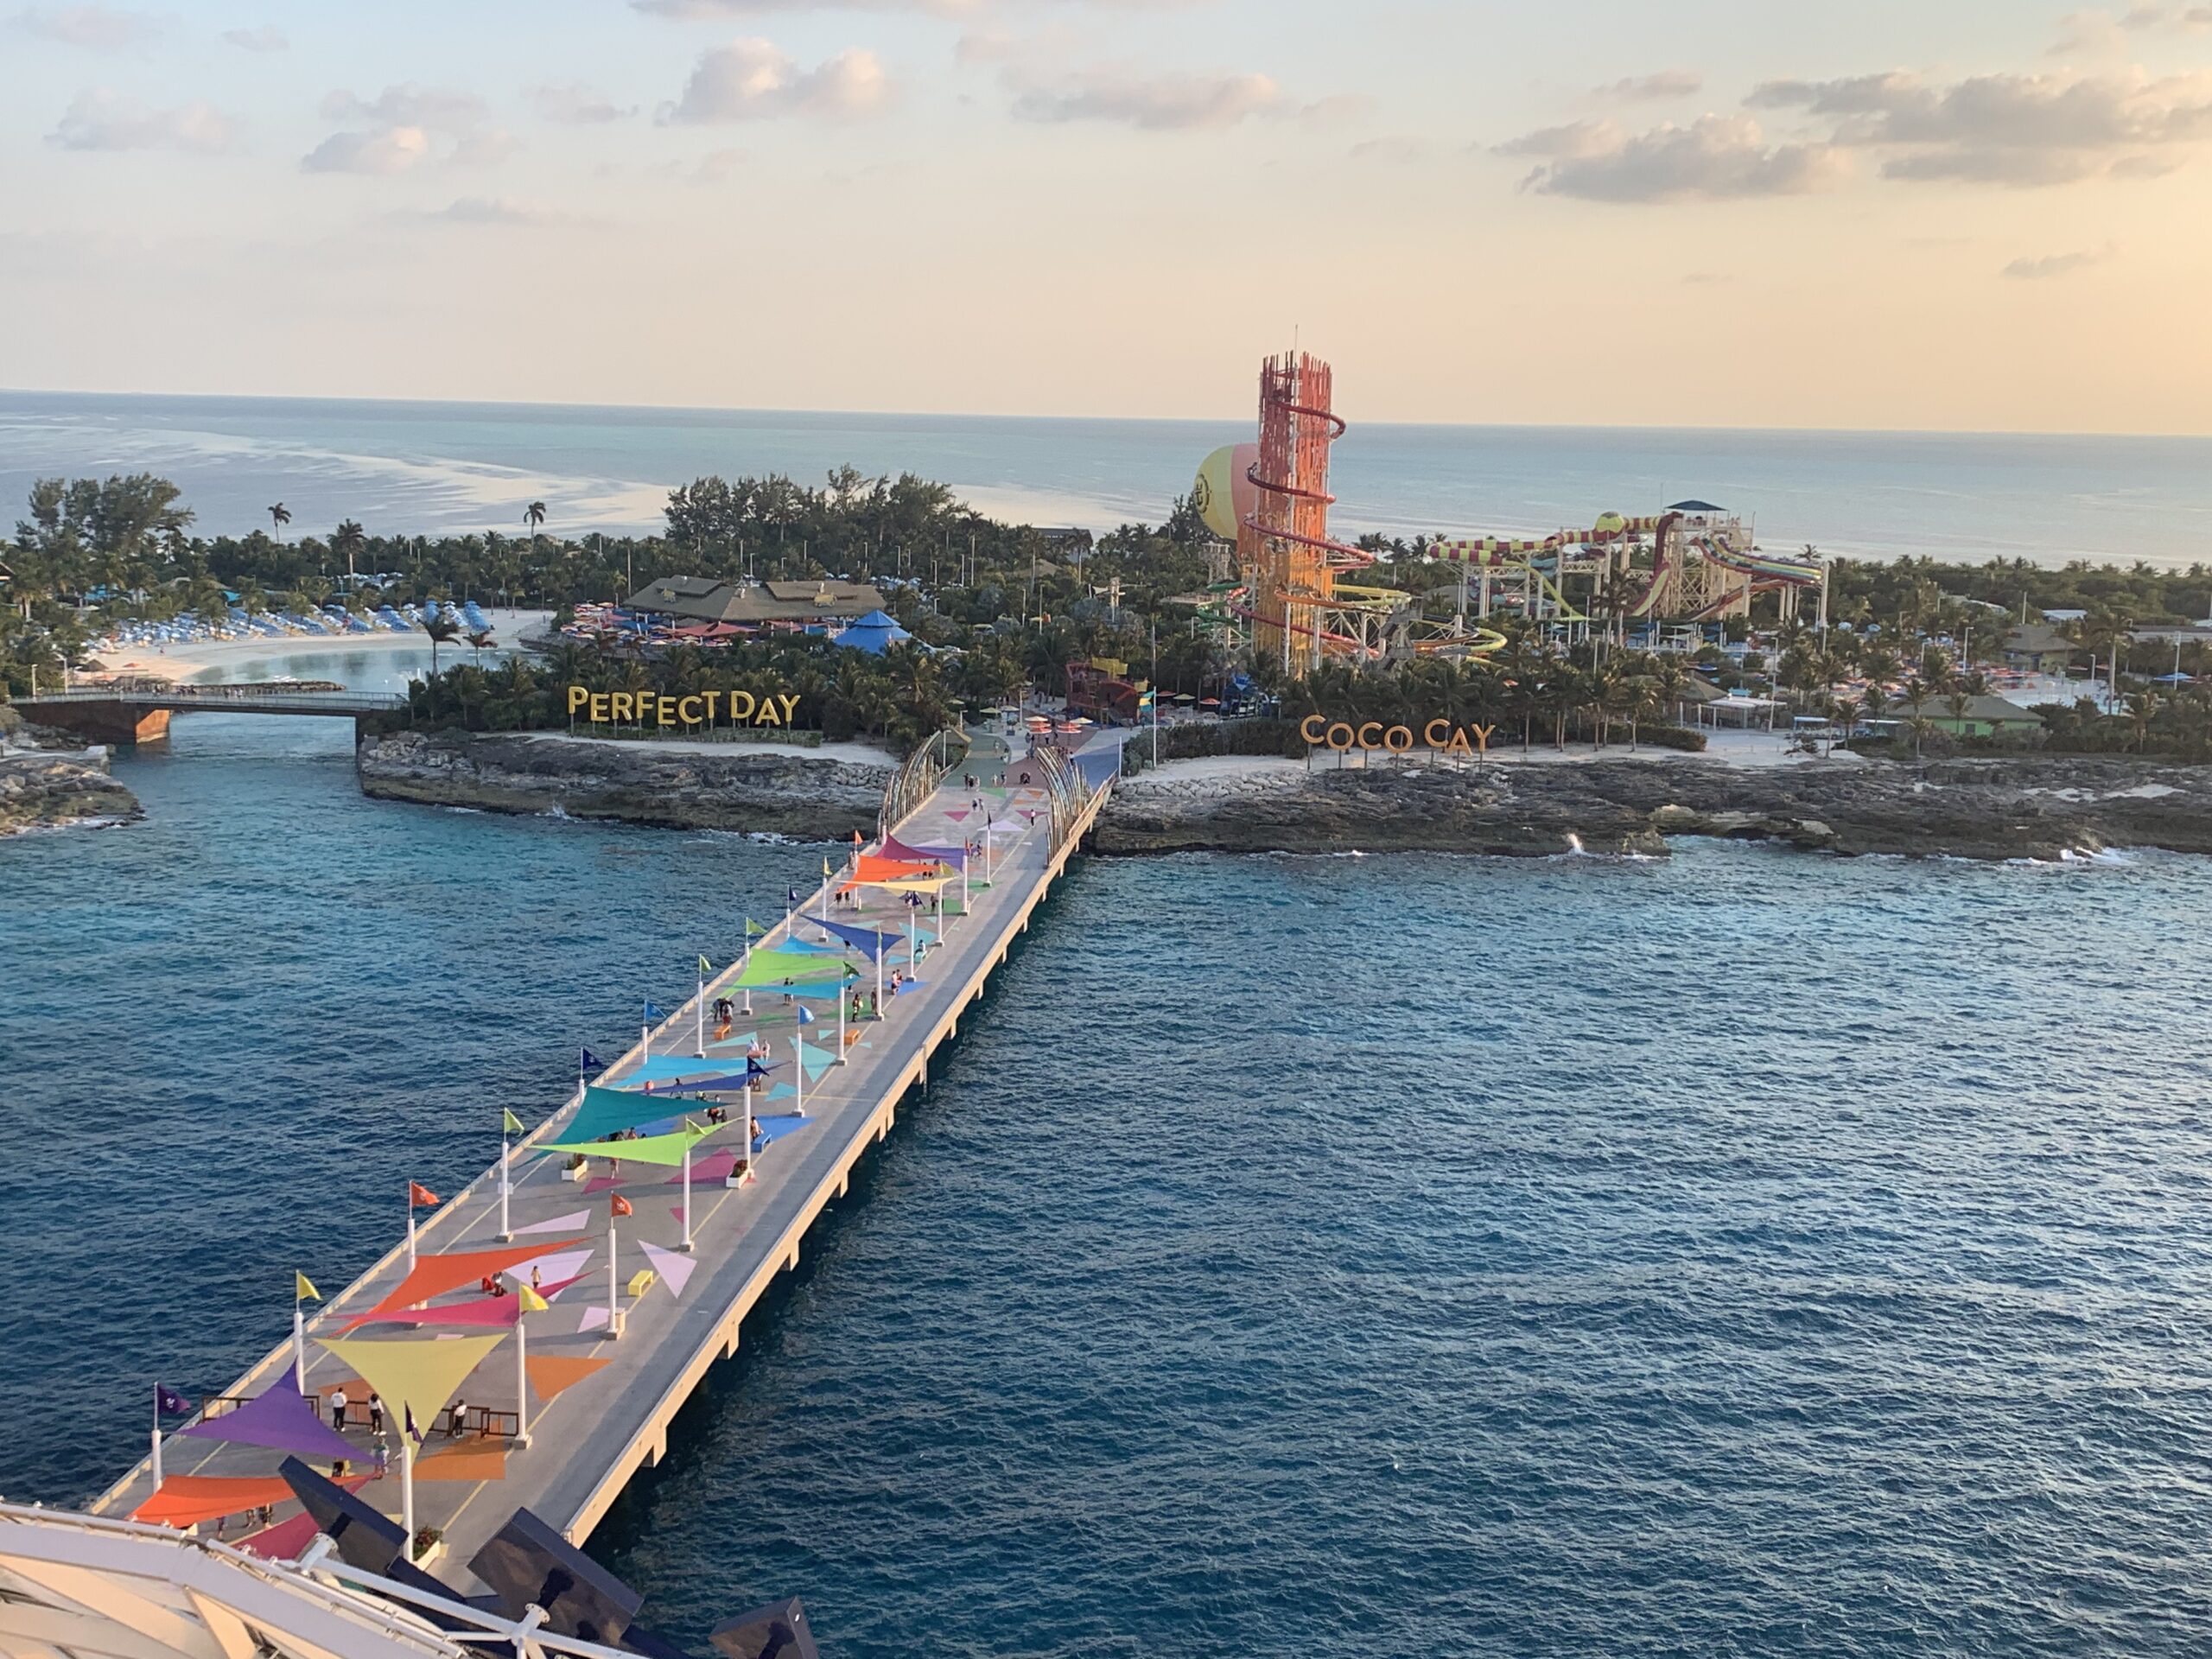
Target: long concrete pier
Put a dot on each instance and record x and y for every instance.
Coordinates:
(584, 1444)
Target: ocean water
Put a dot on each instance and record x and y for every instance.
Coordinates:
(1743, 1252)
(415, 468)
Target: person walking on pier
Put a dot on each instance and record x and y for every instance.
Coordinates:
(375, 1414)
(338, 1409)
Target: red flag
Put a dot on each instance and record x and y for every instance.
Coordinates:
(419, 1195)
(618, 1205)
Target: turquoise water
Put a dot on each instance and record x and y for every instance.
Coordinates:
(412, 467)
(1738, 1253)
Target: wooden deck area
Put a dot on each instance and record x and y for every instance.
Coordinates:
(585, 1444)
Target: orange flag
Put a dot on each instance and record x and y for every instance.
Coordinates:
(419, 1195)
(618, 1205)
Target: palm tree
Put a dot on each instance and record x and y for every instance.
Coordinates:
(534, 516)
(348, 538)
(279, 516)
(476, 643)
(441, 628)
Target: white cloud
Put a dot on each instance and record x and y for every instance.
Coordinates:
(2006, 129)
(2055, 265)
(485, 211)
(267, 38)
(1715, 158)
(1666, 83)
(1155, 103)
(388, 150)
(436, 108)
(100, 29)
(573, 104)
(753, 80)
(102, 120)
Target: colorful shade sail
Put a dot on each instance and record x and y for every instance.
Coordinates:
(417, 1375)
(895, 848)
(187, 1500)
(870, 941)
(772, 968)
(674, 1267)
(501, 1311)
(435, 1275)
(610, 1111)
(281, 1418)
(553, 1374)
(668, 1149)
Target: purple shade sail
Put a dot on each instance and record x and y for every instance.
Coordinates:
(281, 1418)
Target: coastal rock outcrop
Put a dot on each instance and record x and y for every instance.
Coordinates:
(49, 779)
(2042, 807)
(747, 787)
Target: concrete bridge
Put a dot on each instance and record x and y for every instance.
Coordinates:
(561, 1422)
(122, 715)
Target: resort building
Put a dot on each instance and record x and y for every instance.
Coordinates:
(694, 600)
(1984, 716)
(2037, 648)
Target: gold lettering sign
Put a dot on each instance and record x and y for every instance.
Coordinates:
(766, 708)
(1439, 735)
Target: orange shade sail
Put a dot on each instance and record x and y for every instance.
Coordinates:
(434, 1275)
(187, 1500)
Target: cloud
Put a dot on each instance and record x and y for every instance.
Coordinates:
(1715, 158)
(753, 79)
(267, 38)
(102, 120)
(1640, 89)
(2005, 129)
(1150, 102)
(100, 29)
(2055, 265)
(485, 211)
(435, 108)
(389, 149)
(401, 128)
(575, 105)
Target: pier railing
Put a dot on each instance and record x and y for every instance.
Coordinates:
(918, 778)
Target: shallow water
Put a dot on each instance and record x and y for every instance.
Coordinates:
(1742, 1252)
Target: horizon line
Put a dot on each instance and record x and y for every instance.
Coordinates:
(1154, 420)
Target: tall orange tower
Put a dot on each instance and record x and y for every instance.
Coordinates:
(1284, 546)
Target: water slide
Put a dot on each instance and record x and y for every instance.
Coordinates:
(1753, 563)
(1662, 542)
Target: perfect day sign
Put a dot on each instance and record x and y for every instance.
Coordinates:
(697, 708)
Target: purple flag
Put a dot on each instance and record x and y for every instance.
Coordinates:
(170, 1402)
(411, 1429)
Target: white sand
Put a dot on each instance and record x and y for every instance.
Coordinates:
(185, 661)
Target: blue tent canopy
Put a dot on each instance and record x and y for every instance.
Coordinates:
(874, 633)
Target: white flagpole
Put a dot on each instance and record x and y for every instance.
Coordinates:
(914, 932)
(988, 839)
(614, 1278)
(507, 1232)
(410, 1224)
(687, 1198)
(299, 1342)
(522, 1379)
(744, 962)
(963, 881)
(844, 993)
(645, 1037)
(699, 1017)
(157, 1437)
(407, 1483)
(748, 1130)
(798, 1062)
(879, 975)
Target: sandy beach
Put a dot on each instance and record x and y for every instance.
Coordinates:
(187, 662)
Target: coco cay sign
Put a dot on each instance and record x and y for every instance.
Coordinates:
(698, 708)
(1439, 735)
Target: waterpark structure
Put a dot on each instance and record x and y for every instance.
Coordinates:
(1692, 564)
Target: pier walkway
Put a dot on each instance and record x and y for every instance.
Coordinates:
(592, 1425)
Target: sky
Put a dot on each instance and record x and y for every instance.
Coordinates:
(1910, 214)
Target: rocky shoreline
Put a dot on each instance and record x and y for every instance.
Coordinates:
(50, 780)
(2026, 807)
(753, 788)
(2030, 806)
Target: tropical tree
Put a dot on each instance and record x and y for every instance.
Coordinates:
(349, 539)
(279, 516)
(476, 643)
(441, 628)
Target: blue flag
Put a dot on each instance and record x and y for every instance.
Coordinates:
(794, 895)
(588, 1061)
(806, 1017)
(652, 1012)
(169, 1400)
